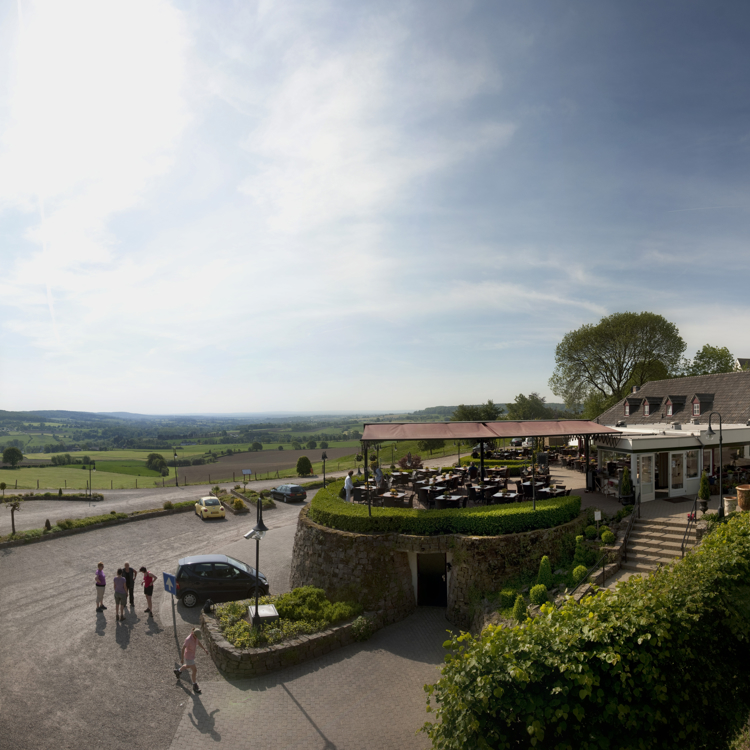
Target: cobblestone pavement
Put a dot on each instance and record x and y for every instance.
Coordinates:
(363, 696)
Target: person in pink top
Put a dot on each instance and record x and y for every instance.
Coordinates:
(101, 582)
(148, 588)
(188, 657)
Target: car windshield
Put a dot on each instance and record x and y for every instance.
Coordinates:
(211, 501)
(241, 565)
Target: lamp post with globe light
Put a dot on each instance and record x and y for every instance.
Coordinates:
(257, 533)
(710, 434)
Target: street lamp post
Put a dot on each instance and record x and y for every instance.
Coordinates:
(710, 433)
(323, 458)
(176, 482)
(393, 448)
(258, 532)
(92, 467)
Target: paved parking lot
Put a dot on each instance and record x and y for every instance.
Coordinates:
(73, 678)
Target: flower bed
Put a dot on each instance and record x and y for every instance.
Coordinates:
(328, 509)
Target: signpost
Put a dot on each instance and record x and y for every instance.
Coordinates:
(170, 583)
(246, 476)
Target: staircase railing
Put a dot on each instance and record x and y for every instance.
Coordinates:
(691, 520)
(633, 516)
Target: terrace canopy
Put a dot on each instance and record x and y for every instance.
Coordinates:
(481, 431)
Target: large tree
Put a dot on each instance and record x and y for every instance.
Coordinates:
(599, 362)
(710, 360)
(530, 407)
(488, 412)
(12, 456)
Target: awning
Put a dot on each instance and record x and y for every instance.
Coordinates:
(385, 431)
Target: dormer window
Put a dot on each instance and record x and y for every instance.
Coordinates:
(627, 409)
(696, 408)
(646, 409)
(669, 410)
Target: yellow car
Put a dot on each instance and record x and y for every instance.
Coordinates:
(209, 507)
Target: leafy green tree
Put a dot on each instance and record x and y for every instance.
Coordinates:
(311, 445)
(12, 456)
(430, 445)
(710, 360)
(530, 407)
(489, 412)
(605, 358)
(519, 609)
(281, 447)
(324, 444)
(155, 462)
(256, 446)
(3, 487)
(304, 467)
(296, 446)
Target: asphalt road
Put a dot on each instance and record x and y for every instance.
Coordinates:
(73, 678)
(34, 513)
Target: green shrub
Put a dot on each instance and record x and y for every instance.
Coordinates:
(168, 505)
(507, 598)
(304, 466)
(608, 537)
(579, 573)
(538, 594)
(238, 505)
(545, 572)
(580, 556)
(362, 628)
(659, 663)
(59, 492)
(623, 513)
(328, 509)
(519, 609)
(590, 532)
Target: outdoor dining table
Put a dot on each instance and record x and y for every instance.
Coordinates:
(509, 496)
(451, 500)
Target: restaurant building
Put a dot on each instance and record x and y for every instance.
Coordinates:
(665, 437)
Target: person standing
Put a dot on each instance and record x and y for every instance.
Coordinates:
(101, 582)
(130, 574)
(349, 485)
(121, 595)
(188, 658)
(148, 588)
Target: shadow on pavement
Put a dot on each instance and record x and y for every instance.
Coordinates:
(328, 744)
(101, 623)
(203, 721)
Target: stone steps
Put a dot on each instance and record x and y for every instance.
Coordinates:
(654, 542)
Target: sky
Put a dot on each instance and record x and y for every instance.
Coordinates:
(255, 206)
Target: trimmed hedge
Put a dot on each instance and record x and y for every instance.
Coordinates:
(328, 509)
(514, 467)
(660, 662)
(94, 497)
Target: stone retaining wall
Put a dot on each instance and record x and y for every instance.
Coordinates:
(242, 663)
(379, 570)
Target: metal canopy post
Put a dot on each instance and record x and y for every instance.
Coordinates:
(586, 456)
(481, 459)
(533, 474)
(367, 481)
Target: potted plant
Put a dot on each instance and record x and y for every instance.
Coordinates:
(626, 488)
(704, 492)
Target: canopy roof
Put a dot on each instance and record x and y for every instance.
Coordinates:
(384, 431)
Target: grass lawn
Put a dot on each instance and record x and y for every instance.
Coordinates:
(54, 477)
(136, 468)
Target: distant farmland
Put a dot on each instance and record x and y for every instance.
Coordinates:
(262, 462)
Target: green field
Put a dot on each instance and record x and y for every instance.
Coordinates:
(136, 468)
(54, 477)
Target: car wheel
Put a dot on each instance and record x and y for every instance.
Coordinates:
(251, 593)
(189, 599)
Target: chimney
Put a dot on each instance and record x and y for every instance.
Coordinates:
(636, 389)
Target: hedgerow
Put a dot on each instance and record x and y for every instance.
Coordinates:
(514, 467)
(328, 509)
(660, 662)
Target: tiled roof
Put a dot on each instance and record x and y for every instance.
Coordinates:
(727, 393)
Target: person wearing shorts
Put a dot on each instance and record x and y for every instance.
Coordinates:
(121, 595)
(188, 657)
(148, 588)
(101, 583)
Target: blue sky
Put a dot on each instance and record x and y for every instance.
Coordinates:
(253, 206)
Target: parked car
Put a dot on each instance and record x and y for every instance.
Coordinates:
(287, 492)
(516, 442)
(209, 507)
(217, 577)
